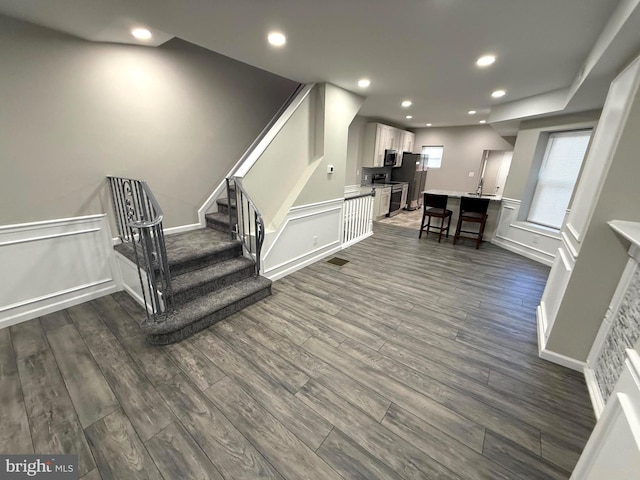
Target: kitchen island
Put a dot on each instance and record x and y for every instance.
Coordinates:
(453, 204)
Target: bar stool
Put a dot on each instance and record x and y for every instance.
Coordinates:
(472, 210)
(435, 206)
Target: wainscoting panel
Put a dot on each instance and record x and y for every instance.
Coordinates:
(308, 233)
(525, 239)
(51, 265)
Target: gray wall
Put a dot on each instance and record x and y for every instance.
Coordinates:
(603, 254)
(530, 147)
(73, 112)
(340, 107)
(354, 150)
(463, 147)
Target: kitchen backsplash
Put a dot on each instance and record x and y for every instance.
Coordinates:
(367, 174)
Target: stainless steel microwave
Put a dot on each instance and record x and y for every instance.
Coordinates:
(390, 158)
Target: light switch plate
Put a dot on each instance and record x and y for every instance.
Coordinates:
(472, 174)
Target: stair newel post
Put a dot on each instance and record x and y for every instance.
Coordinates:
(231, 232)
(241, 216)
(249, 222)
(116, 202)
(152, 266)
(166, 275)
(259, 239)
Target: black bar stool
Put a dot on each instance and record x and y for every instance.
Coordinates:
(472, 210)
(435, 206)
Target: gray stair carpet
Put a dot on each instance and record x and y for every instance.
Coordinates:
(210, 278)
(201, 313)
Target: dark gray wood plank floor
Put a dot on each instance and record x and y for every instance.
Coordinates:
(415, 360)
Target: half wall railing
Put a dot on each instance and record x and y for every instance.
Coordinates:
(357, 220)
(139, 222)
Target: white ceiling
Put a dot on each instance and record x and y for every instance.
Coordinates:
(423, 50)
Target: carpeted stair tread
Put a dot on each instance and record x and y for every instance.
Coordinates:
(209, 274)
(220, 221)
(194, 244)
(218, 217)
(204, 311)
(225, 201)
(185, 250)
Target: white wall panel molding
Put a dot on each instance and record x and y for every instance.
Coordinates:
(547, 354)
(557, 282)
(308, 233)
(130, 279)
(523, 238)
(51, 265)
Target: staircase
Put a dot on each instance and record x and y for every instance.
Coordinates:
(220, 220)
(210, 278)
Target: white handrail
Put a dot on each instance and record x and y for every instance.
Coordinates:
(246, 163)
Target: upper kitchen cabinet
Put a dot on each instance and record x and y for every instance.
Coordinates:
(408, 139)
(378, 138)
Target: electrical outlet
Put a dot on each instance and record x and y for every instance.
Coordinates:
(315, 240)
(536, 239)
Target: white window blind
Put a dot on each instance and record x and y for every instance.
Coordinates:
(557, 177)
(435, 156)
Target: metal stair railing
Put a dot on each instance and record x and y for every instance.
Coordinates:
(139, 221)
(248, 226)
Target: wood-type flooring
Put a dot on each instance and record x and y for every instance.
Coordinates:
(415, 360)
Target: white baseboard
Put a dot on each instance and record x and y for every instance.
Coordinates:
(297, 264)
(211, 200)
(520, 248)
(597, 402)
(182, 228)
(52, 265)
(554, 357)
(356, 240)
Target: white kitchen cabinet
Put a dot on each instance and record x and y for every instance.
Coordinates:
(409, 140)
(375, 141)
(381, 202)
(405, 144)
(378, 138)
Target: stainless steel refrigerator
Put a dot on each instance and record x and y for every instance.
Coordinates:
(414, 171)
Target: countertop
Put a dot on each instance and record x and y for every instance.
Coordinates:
(363, 190)
(456, 194)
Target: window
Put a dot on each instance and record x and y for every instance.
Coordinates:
(434, 153)
(557, 177)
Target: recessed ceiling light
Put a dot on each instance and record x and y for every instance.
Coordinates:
(482, 121)
(485, 60)
(472, 112)
(409, 117)
(364, 82)
(141, 33)
(406, 103)
(429, 124)
(498, 94)
(277, 39)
